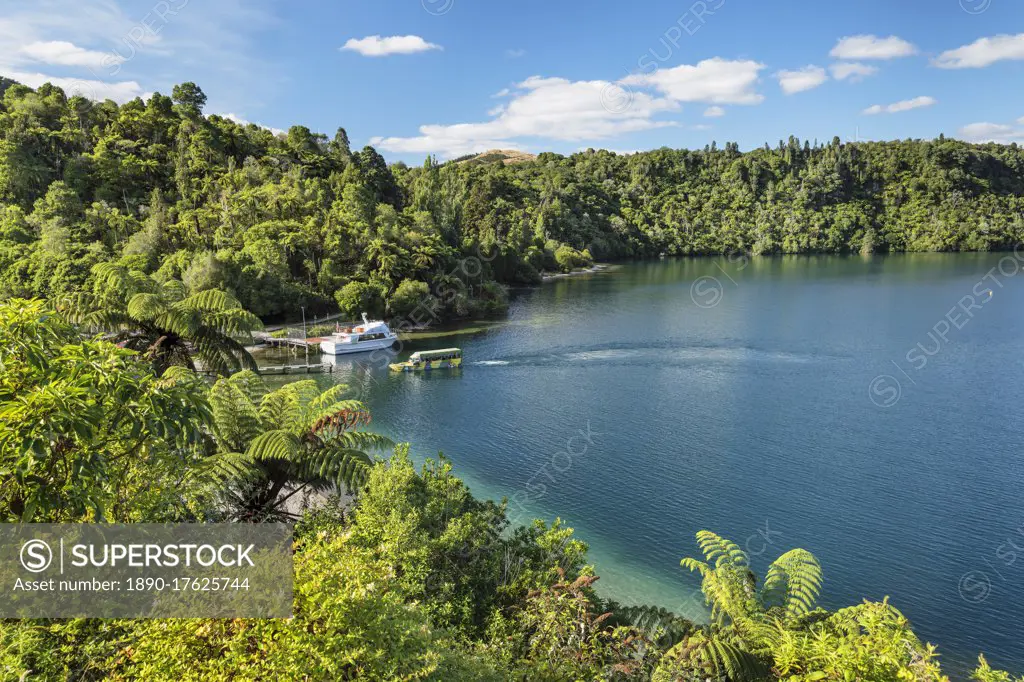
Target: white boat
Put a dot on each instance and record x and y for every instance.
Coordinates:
(370, 335)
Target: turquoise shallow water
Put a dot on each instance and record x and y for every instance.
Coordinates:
(781, 402)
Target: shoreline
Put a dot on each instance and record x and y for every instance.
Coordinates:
(596, 267)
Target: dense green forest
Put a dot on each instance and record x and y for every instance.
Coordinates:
(296, 219)
(140, 241)
(416, 579)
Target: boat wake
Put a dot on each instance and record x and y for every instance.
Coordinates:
(660, 356)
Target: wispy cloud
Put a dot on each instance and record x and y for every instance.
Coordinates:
(379, 46)
(903, 105)
(1002, 133)
(983, 52)
(714, 112)
(853, 71)
(90, 88)
(549, 108)
(63, 53)
(807, 78)
(716, 81)
(515, 54)
(101, 50)
(565, 110)
(867, 46)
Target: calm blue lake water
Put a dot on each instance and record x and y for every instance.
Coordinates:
(866, 409)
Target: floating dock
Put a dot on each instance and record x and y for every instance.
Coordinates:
(317, 368)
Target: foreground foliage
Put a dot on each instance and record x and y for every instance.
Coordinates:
(163, 322)
(274, 446)
(416, 579)
(86, 431)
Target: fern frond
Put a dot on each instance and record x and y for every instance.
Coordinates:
(236, 419)
(332, 395)
(211, 300)
(720, 550)
(173, 290)
(275, 445)
(233, 322)
(793, 581)
(341, 466)
(146, 306)
(706, 656)
(226, 466)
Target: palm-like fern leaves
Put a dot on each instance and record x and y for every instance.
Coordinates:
(161, 321)
(745, 621)
(707, 657)
(295, 437)
(729, 585)
(793, 582)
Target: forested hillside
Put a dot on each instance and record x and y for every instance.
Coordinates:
(299, 218)
(158, 234)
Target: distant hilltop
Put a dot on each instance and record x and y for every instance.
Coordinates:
(505, 156)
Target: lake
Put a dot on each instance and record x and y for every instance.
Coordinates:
(864, 408)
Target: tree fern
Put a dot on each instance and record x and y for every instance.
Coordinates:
(161, 321)
(293, 438)
(793, 582)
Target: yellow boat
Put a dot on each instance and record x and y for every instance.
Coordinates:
(427, 360)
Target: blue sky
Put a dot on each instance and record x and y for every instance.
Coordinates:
(448, 77)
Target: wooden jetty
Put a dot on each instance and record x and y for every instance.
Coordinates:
(312, 368)
(268, 340)
(316, 368)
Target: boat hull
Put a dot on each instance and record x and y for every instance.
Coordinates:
(422, 367)
(331, 347)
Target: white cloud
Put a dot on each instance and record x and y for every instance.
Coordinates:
(854, 71)
(807, 78)
(378, 46)
(243, 122)
(213, 44)
(564, 110)
(550, 108)
(904, 105)
(714, 112)
(872, 47)
(716, 80)
(63, 53)
(982, 52)
(122, 91)
(515, 54)
(992, 132)
(504, 92)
